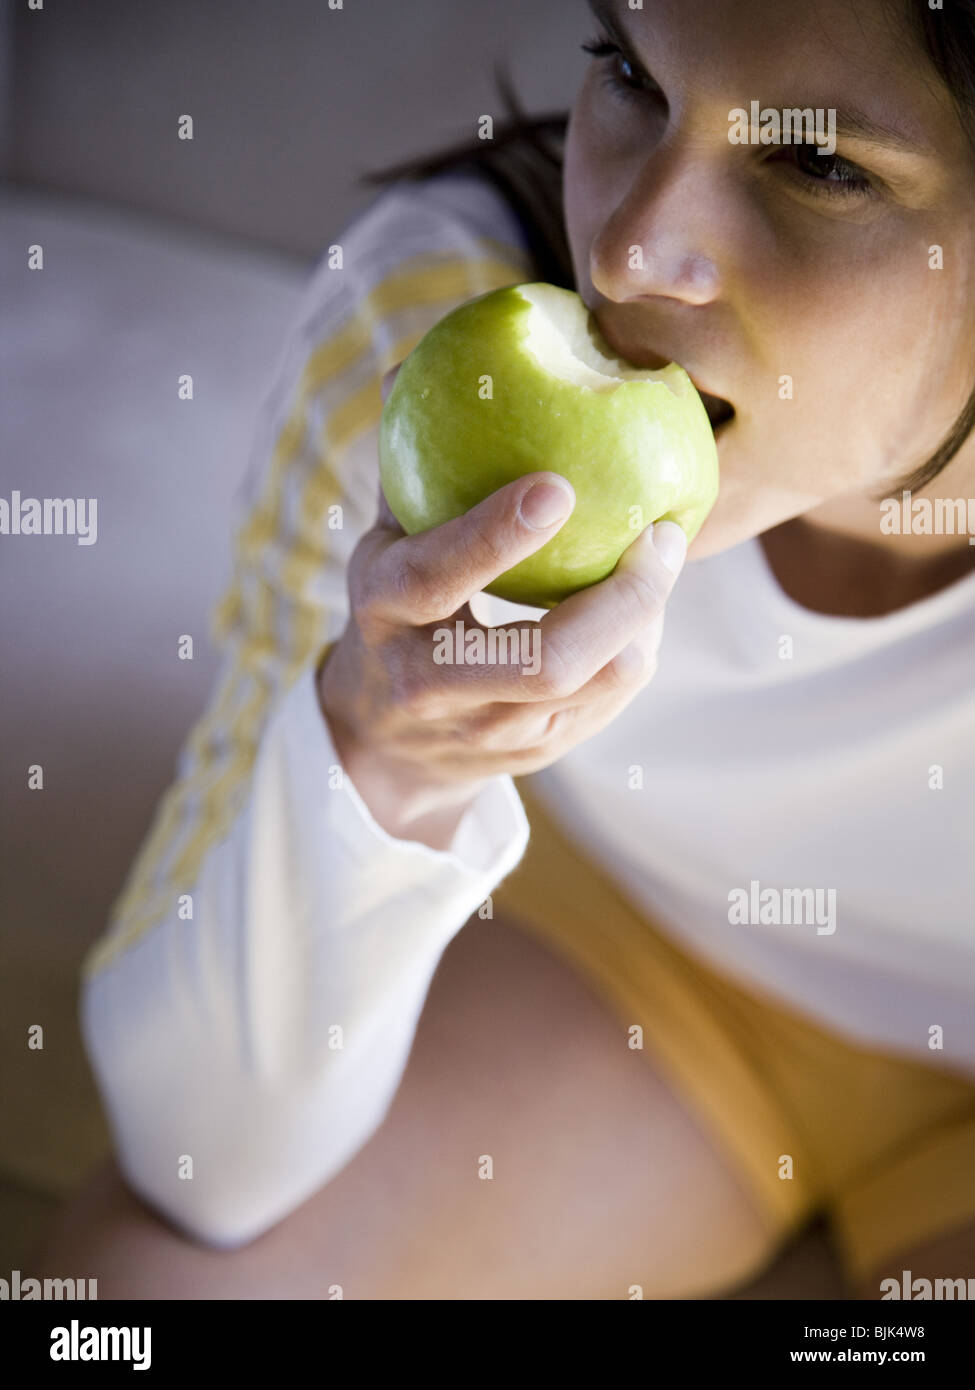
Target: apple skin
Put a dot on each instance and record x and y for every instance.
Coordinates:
(443, 449)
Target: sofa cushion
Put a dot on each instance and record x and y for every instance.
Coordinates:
(91, 686)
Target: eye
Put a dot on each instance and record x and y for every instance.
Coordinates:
(625, 79)
(829, 175)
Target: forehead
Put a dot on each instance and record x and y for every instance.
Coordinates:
(828, 53)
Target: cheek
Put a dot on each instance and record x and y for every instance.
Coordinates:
(580, 196)
(802, 312)
(594, 177)
(870, 358)
(927, 355)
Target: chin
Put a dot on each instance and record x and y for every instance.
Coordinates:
(744, 508)
(734, 518)
(715, 537)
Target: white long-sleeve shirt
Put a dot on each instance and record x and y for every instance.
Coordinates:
(252, 1004)
(250, 1010)
(844, 771)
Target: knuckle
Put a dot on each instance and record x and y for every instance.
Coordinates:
(408, 575)
(489, 549)
(624, 668)
(641, 594)
(365, 610)
(534, 729)
(416, 695)
(556, 724)
(411, 690)
(366, 590)
(628, 667)
(422, 584)
(492, 731)
(637, 662)
(557, 678)
(418, 700)
(515, 731)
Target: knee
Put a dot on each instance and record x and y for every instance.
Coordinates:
(710, 1251)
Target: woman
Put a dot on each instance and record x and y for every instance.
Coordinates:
(633, 1070)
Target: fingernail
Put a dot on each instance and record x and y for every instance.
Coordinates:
(546, 503)
(670, 544)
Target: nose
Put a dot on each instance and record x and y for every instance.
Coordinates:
(669, 212)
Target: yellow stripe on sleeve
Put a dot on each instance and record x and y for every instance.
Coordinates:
(268, 623)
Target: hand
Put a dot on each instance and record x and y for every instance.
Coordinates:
(418, 739)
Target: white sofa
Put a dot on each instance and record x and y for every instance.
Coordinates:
(91, 687)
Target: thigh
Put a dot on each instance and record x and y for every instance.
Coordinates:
(528, 1153)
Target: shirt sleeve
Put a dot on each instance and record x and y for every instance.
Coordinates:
(249, 1011)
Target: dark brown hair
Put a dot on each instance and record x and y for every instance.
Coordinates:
(524, 161)
(948, 36)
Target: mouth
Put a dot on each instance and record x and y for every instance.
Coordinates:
(720, 411)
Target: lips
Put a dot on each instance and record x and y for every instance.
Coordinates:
(719, 410)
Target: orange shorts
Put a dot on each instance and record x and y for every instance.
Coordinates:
(882, 1146)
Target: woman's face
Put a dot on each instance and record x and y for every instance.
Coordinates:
(762, 262)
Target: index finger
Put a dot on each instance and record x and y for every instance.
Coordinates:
(589, 628)
(583, 633)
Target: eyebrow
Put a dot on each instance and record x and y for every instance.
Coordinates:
(850, 121)
(859, 126)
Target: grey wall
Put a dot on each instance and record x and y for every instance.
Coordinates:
(6, 102)
(290, 100)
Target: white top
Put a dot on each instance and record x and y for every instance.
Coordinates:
(250, 1009)
(847, 769)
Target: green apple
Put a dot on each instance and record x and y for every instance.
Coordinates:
(521, 379)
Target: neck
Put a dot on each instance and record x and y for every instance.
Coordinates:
(836, 560)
